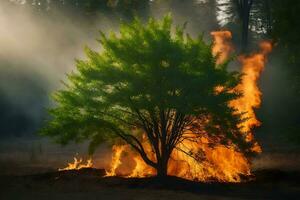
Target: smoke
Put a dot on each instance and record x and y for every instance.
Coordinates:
(36, 50)
(200, 15)
(38, 47)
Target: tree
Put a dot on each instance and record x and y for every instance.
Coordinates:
(243, 8)
(147, 82)
(252, 18)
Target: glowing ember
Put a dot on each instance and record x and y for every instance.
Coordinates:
(198, 160)
(78, 164)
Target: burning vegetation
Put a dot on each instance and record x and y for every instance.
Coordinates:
(78, 164)
(169, 98)
(199, 160)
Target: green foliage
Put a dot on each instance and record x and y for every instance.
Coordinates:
(144, 79)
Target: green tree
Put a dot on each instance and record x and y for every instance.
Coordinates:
(147, 80)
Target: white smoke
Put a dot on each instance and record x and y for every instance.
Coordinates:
(44, 44)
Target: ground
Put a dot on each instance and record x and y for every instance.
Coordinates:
(90, 184)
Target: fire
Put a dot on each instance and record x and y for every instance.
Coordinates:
(116, 160)
(219, 163)
(78, 164)
(200, 161)
(253, 65)
(222, 45)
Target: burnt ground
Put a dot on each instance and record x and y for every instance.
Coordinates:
(90, 184)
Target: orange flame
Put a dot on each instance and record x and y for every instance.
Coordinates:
(78, 164)
(198, 160)
(252, 67)
(213, 163)
(116, 160)
(222, 45)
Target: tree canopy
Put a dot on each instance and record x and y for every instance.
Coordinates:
(149, 80)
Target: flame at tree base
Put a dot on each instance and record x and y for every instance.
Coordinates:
(198, 160)
(223, 164)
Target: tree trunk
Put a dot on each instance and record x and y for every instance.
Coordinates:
(246, 8)
(245, 28)
(162, 164)
(162, 168)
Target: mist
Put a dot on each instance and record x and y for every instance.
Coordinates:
(37, 50)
